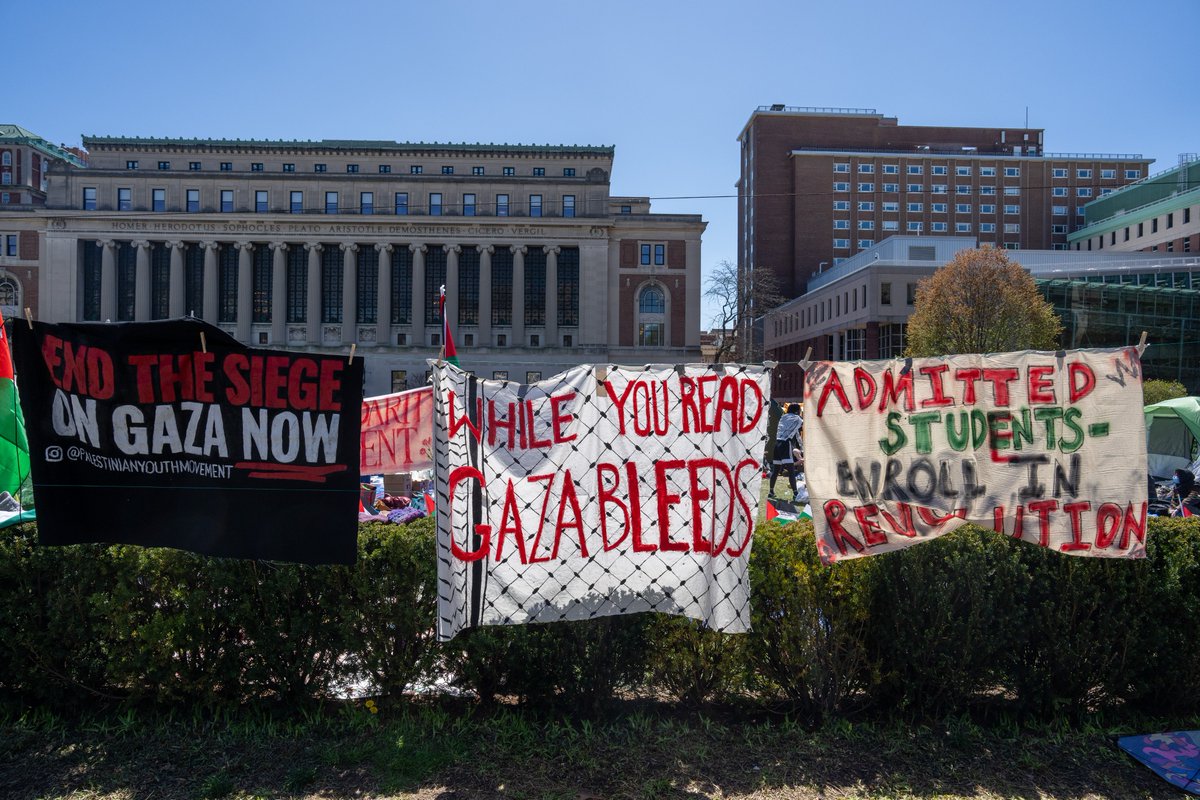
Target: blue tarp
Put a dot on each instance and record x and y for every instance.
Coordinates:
(1174, 756)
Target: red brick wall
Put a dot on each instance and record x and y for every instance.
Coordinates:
(677, 301)
(28, 247)
(676, 254)
(628, 254)
(793, 223)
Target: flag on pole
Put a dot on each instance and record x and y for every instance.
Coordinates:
(14, 447)
(448, 350)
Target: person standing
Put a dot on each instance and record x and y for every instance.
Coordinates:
(787, 441)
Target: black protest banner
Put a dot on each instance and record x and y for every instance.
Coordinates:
(140, 434)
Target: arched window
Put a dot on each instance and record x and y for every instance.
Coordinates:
(10, 293)
(652, 322)
(652, 301)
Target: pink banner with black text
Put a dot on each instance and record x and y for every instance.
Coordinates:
(397, 433)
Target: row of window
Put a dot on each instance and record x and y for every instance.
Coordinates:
(1169, 219)
(967, 171)
(934, 188)
(894, 225)
(353, 169)
(937, 208)
(844, 303)
(961, 189)
(469, 206)
(331, 268)
(935, 227)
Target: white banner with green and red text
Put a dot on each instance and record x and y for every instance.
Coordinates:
(1045, 447)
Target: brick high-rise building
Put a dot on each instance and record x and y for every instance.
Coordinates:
(821, 184)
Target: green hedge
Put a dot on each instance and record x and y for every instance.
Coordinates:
(933, 630)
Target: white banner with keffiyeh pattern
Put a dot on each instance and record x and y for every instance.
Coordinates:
(599, 491)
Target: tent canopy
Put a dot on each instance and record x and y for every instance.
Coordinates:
(1172, 432)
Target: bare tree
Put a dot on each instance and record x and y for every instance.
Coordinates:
(741, 297)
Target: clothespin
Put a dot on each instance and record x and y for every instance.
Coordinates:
(1142, 345)
(806, 362)
(28, 318)
(350, 358)
(203, 343)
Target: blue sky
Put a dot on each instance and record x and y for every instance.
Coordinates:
(669, 84)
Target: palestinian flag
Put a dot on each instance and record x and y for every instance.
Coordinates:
(14, 447)
(448, 350)
(785, 512)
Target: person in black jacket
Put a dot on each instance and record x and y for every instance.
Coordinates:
(787, 442)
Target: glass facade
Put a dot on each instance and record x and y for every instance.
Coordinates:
(568, 286)
(401, 285)
(160, 280)
(435, 278)
(502, 286)
(331, 284)
(468, 287)
(297, 284)
(91, 281)
(263, 268)
(535, 286)
(126, 281)
(193, 280)
(227, 283)
(1113, 310)
(368, 285)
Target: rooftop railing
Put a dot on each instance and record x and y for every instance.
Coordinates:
(921, 150)
(817, 109)
(1098, 156)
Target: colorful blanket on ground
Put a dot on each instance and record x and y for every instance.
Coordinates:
(1174, 756)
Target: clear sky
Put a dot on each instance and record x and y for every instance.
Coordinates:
(670, 84)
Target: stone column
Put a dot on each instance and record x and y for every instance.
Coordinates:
(551, 335)
(518, 298)
(245, 298)
(383, 320)
(141, 282)
(108, 280)
(452, 253)
(177, 294)
(693, 292)
(349, 293)
(211, 312)
(594, 285)
(313, 314)
(417, 337)
(485, 295)
(279, 294)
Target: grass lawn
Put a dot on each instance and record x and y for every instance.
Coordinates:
(645, 752)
